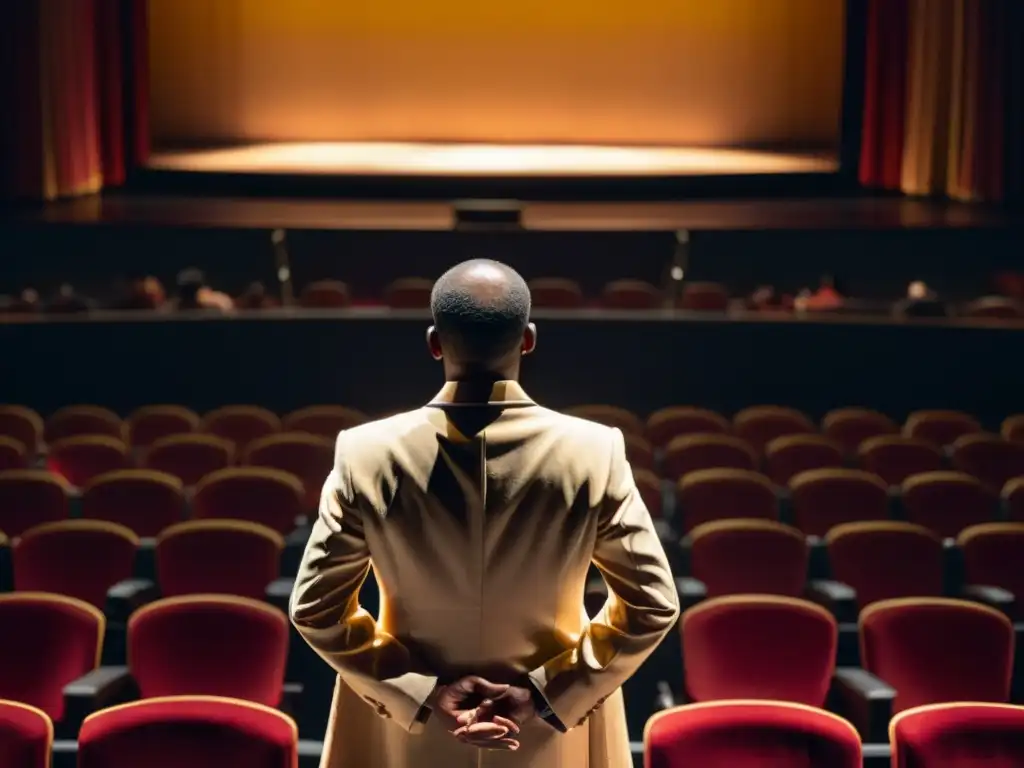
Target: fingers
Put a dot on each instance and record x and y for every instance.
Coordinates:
(486, 730)
(506, 744)
(480, 686)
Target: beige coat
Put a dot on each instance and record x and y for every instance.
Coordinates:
(481, 514)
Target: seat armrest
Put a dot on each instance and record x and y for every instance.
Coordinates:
(6, 570)
(817, 559)
(864, 700)
(279, 592)
(664, 699)
(691, 591)
(126, 596)
(994, 597)
(291, 700)
(839, 598)
(145, 560)
(291, 555)
(103, 687)
(309, 753)
(684, 557)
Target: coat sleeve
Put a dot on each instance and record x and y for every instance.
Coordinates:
(325, 610)
(641, 608)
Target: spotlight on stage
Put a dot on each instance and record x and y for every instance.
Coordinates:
(488, 214)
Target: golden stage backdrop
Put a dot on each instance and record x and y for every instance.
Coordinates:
(711, 73)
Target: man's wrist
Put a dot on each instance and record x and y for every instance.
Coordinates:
(543, 708)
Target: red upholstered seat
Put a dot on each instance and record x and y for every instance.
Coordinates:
(704, 297)
(46, 642)
(148, 424)
(409, 293)
(30, 497)
(193, 731)
(884, 560)
(759, 647)
(270, 497)
(639, 452)
(77, 558)
(12, 454)
(678, 420)
(934, 650)
(749, 556)
(993, 555)
(691, 453)
(241, 424)
(631, 294)
(81, 459)
(788, 456)
(78, 420)
(26, 736)
(947, 502)
(217, 645)
(894, 458)
(143, 500)
(1013, 498)
(723, 494)
(650, 490)
(990, 458)
(23, 424)
(940, 427)
(1012, 428)
(609, 415)
(750, 734)
(309, 457)
(217, 556)
(325, 294)
(960, 734)
(760, 424)
(323, 420)
(189, 457)
(850, 427)
(825, 498)
(555, 293)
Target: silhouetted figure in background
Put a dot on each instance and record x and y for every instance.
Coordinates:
(68, 302)
(255, 297)
(921, 301)
(194, 293)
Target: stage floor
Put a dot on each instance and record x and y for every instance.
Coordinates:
(483, 160)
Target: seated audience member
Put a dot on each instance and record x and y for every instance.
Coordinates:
(921, 301)
(141, 292)
(25, 303)
(255, 297)
(827, 297)
(68, 301)
(194, 293)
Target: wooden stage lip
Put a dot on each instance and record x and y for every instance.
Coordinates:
(861, 213)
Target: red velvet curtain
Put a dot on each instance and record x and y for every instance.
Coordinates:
(943, 98)
(74, 76)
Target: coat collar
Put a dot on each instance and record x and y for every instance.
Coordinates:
(504, 393)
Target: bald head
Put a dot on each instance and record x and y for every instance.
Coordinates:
(481, 309)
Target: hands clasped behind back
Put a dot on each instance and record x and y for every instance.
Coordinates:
(484, 714)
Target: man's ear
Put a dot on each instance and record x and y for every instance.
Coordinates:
(434, 343)
(529, 338)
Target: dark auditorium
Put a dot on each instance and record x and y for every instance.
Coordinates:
(758, 264)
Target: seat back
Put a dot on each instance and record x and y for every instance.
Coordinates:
(1012, 428)
(148, 424)
(555, 293)
(749, 556)
(46, 641)
(884, 560)
(759, 647)
(940, 427)
(12, 454)
(750, 733)
(217, 645)
(26, 736)
(197, 731)
(325, 294)
(934, 650)
(261, 495)
(967, 734)
(78, 420)
(704, 297)
(309, 457)
(30, 497)
(142, 500)
(650, 491)
(609, 415)
(894, 458)
(80, 459)
(852, 426)
(23, 424)
(241, 424)
(993, 555)
(323, 420)
(691, 453)
(78, 558)
(825, 498)
(947, 502)
(786, 457)
(990, 458)
(639, 452)
(218, 556)
(1013, 499)
(760, 424)
(631, 294)
(722, 494)
(409, 293)
(189, 457)
(678, 420)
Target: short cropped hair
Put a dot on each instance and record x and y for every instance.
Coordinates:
(474, 328)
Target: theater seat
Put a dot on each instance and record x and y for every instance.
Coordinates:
(30, 497)
(894, 458)
(722, 494)
(885, 560)
(217, 556)
(758, 647)
(704, 297)
(1012, 428)
(257, 494)
(1012, 497)
(78, 558)
(631, 294)
(325, 294)
(760, 424)
(555, 293)
(786, 457)
(81, 459)
(609, 415)
(78, 420)
(650, 491)
(824, 498)
(323, 420)
(850, 427)
(46, 642)
(990, 458)
(993, 555)
(148, 424)
(189, 457)
(24, 425)
(408, 293)
(934, 650)
(958, 735)
(749, 556)
(750, 734)
(241, 424)
(217, 645)
(309, 457)
(12, 454)
(940, 427)
(193, 731)
(678, 420)
(26, 736)
(947, 502)
(143, 500)
(691, 453)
